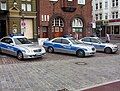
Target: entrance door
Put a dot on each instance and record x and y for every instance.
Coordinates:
(2, 28)
(27, 28)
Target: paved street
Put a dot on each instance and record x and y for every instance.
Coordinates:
(55, 72)
(73, 74)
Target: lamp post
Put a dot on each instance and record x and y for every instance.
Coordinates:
(23, 24)
(53, 2)
(14, 3)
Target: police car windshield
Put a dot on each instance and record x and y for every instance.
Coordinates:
(19, 41)
(74, 41)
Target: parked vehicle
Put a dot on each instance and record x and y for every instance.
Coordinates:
(69, 45)
(20, 47)
(100, 45)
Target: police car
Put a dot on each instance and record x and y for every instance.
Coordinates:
(20, 47)
(100, 45)
(69, 45)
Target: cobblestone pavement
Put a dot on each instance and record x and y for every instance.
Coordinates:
(7, 59)
(52, 75)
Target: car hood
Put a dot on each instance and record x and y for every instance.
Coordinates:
(30, 46)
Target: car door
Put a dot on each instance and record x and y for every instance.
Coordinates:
(66, 47)
(56, 44)
(86, 41)
(96, 44)
(7, 47)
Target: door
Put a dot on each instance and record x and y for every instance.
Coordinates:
(6, 47)
(27, 28)
(2, 28)
(66, 47)
(97, 44)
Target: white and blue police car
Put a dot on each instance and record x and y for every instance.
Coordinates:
(20, 47)
(100, 45)
(69, 45)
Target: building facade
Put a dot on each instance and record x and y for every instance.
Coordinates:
(3, 18)
(19, 16)
(64, 17)
(106, 14)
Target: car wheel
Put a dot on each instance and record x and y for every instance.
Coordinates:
(20, 55)
(108, 50)
(50, 49)
(80, 53)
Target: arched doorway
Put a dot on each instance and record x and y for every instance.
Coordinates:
(57, 27)
(77, 28)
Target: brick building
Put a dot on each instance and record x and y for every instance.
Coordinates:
(64, 17)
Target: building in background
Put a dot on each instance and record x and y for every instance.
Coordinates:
(18, 16)
(106, 14)
(61, 17)
(3, 18)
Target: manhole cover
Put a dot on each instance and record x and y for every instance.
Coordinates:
(81, 63)
(63, 89)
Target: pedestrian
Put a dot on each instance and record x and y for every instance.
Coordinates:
(107, 38)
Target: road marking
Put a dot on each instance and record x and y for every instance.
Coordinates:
(97, 85)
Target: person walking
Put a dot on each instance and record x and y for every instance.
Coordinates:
(107, 38)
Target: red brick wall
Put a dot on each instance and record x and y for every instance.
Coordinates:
(84, 12)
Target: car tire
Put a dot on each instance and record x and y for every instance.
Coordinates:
(50, 49)
(108, 50)
(20, 55)
(80, 53)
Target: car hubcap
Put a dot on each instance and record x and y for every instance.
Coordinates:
(50, 49)
(19, 55)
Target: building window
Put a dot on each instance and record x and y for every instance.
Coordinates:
(77, 25)
(96, 15)
(114, 15)
(45, 17)
(3, 6)
(106, 4)
(23, 7)
(96, 6)
(100, 5)
(58, 22)
(100, 15)
(114, 3)
(81, 1)
(26, 5)
(106, 15)
(29, 7)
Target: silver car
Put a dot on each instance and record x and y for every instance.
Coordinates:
(99, 44)
(20, 47)
(69, 45)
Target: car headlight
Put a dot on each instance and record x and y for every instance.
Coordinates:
(25, 51)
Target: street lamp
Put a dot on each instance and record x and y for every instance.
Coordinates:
(14, 3)
(53, 2)
(23, 24)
